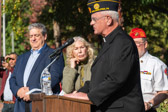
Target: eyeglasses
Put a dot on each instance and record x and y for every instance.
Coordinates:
(96, 19)
(139, 43)
(35, 35)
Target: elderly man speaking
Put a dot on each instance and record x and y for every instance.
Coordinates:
(115, 80)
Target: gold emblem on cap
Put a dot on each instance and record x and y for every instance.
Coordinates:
(136, 34)
(96, 6)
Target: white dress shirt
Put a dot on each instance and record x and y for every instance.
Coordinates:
(153, 76)
(8, 96)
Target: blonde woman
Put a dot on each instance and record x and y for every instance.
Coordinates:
(80, 56)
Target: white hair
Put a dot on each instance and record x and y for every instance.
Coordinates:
(113, 14)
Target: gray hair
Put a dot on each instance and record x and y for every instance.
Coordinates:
(144, 39)
(38, 26)
(113, 14)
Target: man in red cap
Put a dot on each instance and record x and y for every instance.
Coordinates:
(154, 81)
(115, 80)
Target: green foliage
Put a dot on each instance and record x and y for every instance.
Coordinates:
(72, 16)
(149, 1)
(153, 21)
(163, 106)
(74, 19)
(17, 18)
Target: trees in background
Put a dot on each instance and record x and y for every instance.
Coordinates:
(67, 18)
(152, 16)
(17, 18)
(71, 16)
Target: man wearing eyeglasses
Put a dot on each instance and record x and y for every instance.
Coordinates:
(154, 76)
(29, 66)
(115, 81)
(5, 93)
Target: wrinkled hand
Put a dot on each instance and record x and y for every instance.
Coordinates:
(74, 62)
(22, 93)
(78, 95)
(26, 96)
(74, 92)
(147, 106)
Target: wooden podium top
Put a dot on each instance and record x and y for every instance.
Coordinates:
(41, 96)
(44, 103)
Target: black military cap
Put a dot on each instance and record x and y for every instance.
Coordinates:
(102, 5)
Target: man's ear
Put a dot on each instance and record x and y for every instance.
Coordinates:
(45, 37)
(146, 44)
(109, 21)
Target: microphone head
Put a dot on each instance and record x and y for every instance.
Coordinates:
(67, 43)
(58, 50)
(70, 41)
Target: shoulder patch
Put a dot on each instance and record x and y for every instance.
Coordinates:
(166, 71)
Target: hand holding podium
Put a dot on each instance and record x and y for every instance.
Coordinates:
(78, 95)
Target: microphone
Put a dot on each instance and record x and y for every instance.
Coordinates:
(58, 50)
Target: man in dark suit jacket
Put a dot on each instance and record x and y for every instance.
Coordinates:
(115, 81)
(30, 65)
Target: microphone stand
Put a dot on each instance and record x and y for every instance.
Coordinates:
(45, 69)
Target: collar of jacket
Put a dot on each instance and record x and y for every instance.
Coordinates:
(84, 62)
(109, 38)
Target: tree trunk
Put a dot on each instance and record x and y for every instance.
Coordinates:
(56, 30)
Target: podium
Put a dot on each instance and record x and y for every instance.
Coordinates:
(56, 103)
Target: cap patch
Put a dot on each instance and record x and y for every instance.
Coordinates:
(102, 5)
(137, 33)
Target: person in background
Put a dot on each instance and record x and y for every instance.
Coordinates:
(80, 56)
(154, 78)
(29, 66)
(5, 93)
(115, 77)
